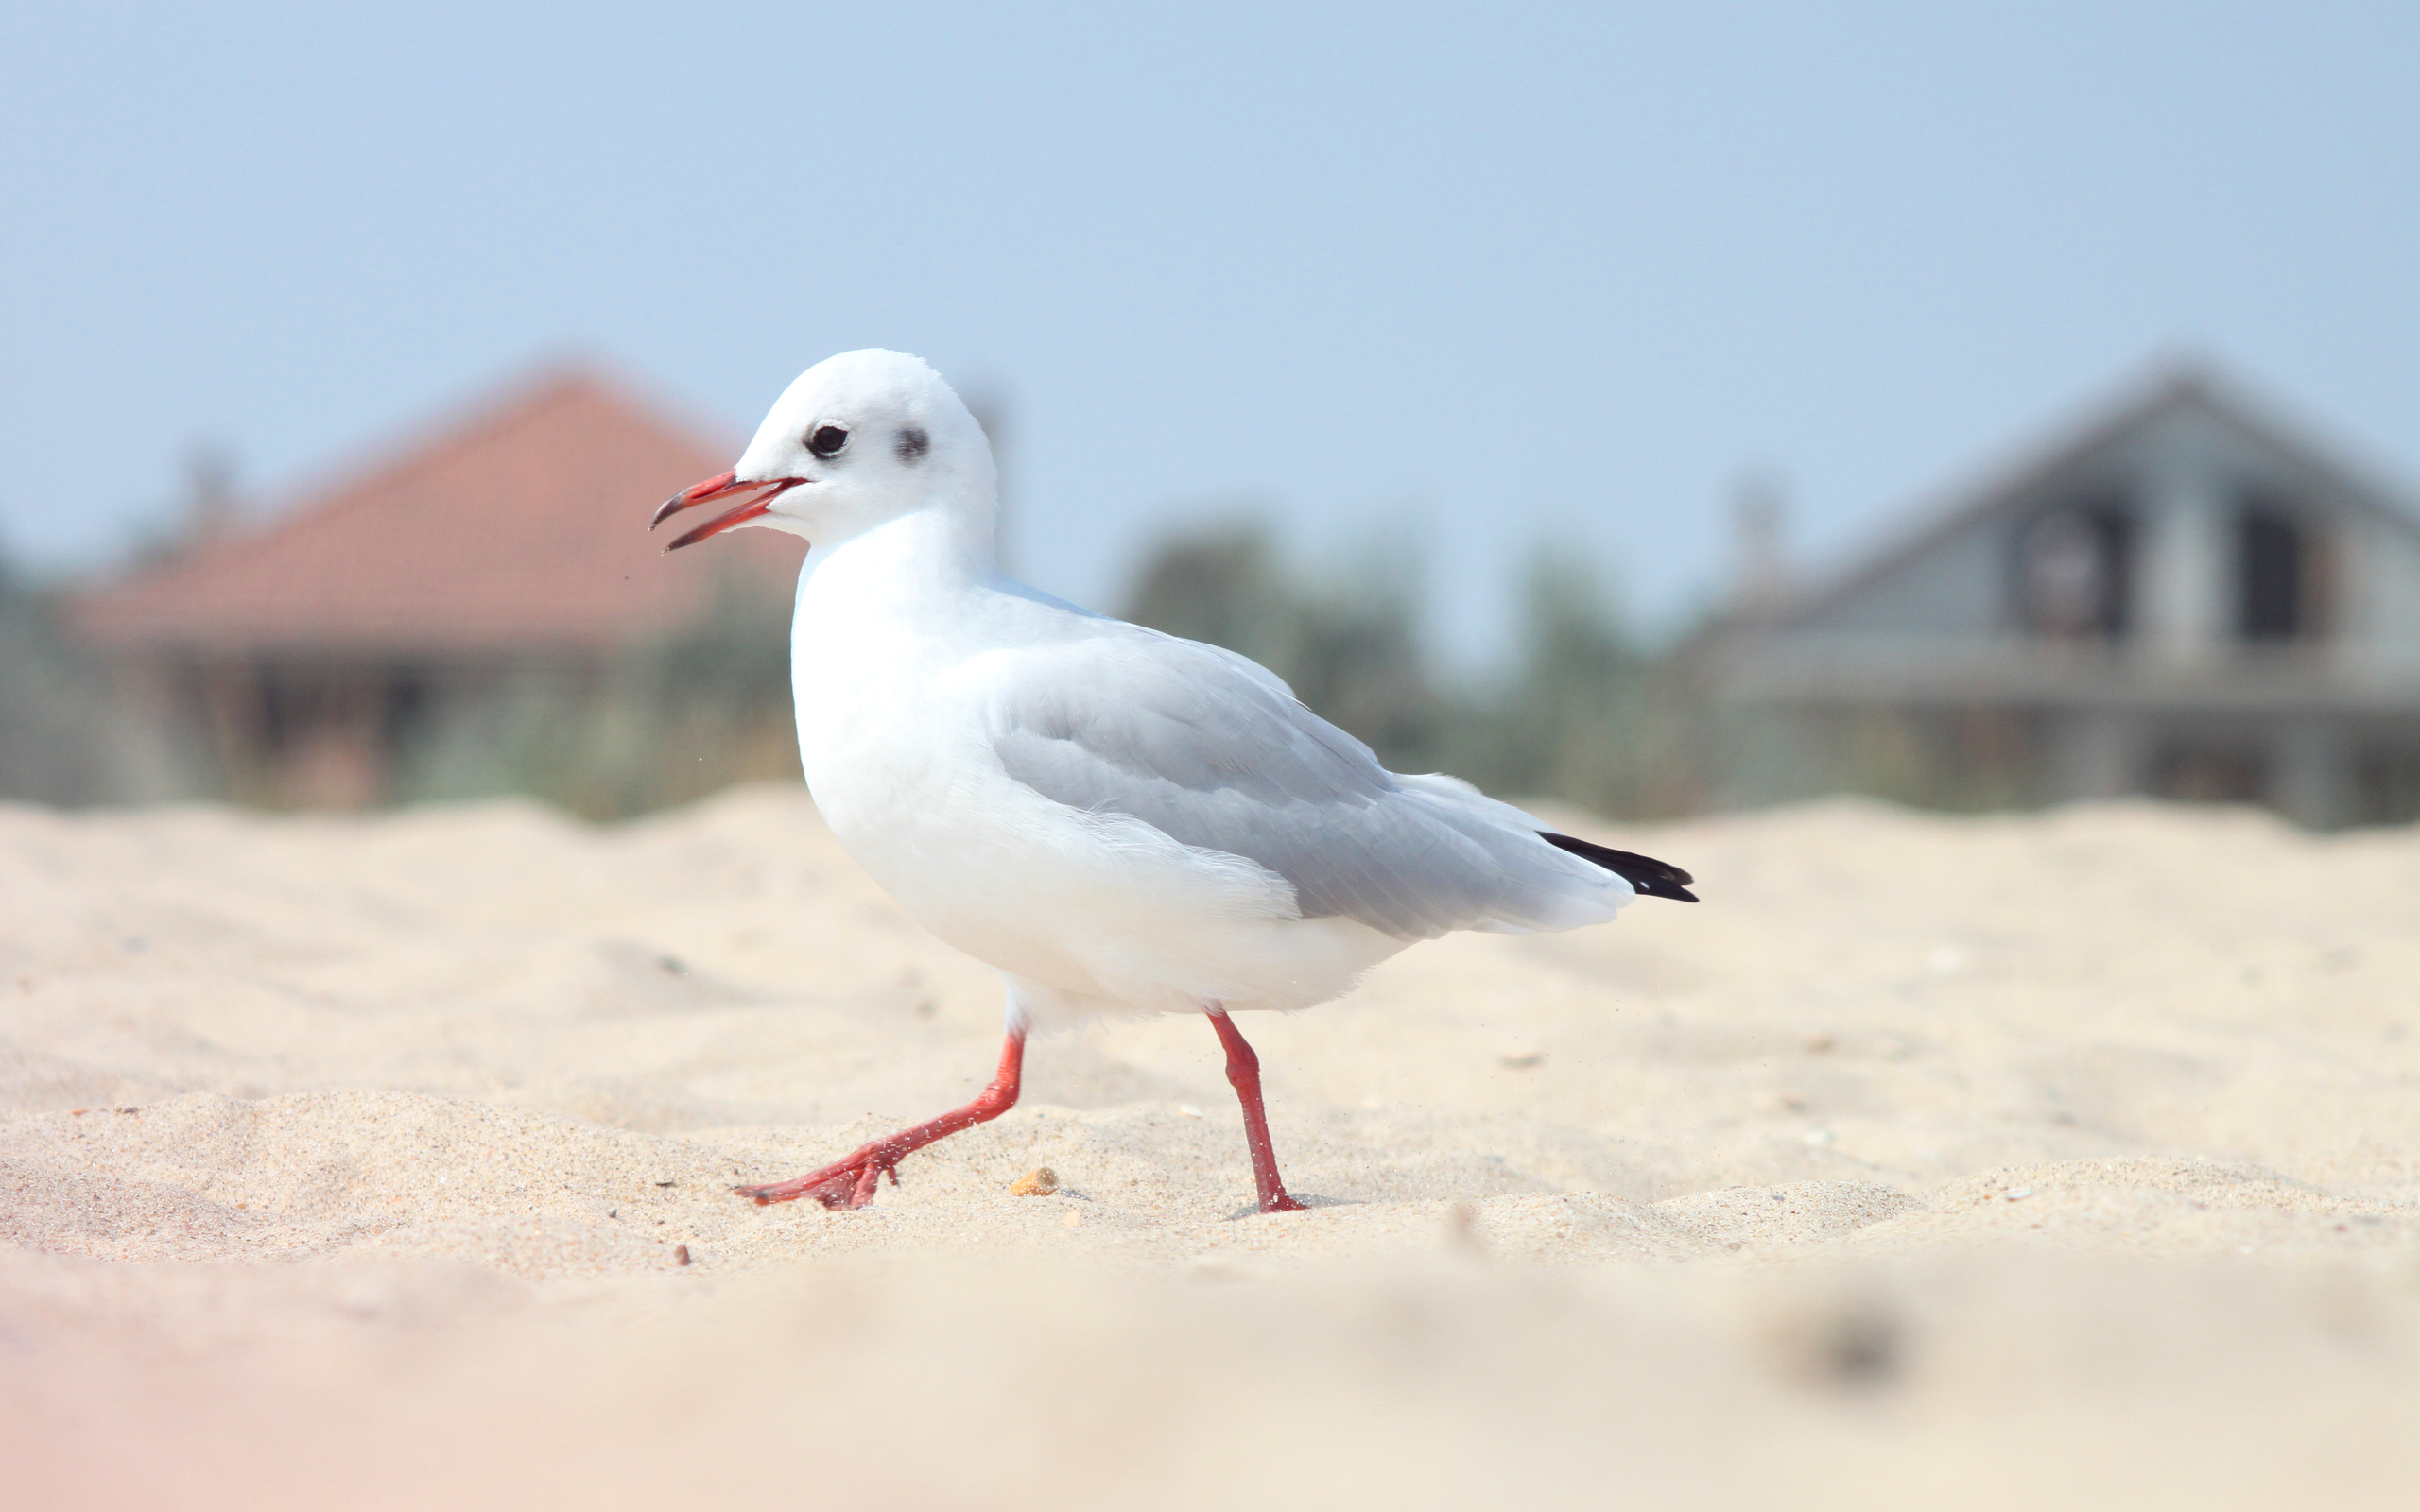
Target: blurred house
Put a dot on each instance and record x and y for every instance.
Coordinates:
(2190, 598)
(303, 655)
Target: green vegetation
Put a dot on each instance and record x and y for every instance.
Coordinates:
(53, 724)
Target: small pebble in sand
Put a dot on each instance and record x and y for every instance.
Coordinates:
(679, 1254)
(1520, 1053)
(1039, 1182)
(1187, 1110)
(2020, 1193)
(1075, 1217)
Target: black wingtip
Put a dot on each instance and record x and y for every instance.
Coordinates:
(1652, 878)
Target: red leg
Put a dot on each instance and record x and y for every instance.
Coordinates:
(850, 1182)
(1243, 1073)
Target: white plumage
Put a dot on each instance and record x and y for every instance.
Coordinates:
(1119, 820)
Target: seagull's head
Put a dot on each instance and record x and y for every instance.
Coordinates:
(857, 439)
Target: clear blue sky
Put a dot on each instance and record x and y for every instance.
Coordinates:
(1461, 276)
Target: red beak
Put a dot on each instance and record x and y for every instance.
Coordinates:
(723, 486)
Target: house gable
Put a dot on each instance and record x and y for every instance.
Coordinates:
(2186, 512)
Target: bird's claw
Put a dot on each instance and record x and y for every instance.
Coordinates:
(845, 1183)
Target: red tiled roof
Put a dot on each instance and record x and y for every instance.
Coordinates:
(523, 529)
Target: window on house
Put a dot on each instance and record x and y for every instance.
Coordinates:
(2073, 571)
(2272, 574)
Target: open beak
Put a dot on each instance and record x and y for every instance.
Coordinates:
(723, 486)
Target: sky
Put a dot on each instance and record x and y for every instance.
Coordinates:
(1478, 282)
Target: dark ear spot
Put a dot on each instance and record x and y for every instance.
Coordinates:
(913, 444)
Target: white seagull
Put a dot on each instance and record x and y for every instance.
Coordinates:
(1121, 820)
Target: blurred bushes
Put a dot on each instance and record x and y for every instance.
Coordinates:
(1589, 715)
(56, 736)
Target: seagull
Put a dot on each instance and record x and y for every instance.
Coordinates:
(1121, 822)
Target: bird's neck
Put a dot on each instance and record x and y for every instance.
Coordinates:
(936, 550)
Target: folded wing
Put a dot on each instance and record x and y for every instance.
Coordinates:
(1215, 752)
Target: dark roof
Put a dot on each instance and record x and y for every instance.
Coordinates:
(522, 529)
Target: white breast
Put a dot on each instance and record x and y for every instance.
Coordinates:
(1103, 910)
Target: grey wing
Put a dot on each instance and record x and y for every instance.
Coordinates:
(1215, 752)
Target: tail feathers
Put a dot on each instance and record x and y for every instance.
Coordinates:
(1652, 878)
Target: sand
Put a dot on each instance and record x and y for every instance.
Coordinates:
(1978, 1162)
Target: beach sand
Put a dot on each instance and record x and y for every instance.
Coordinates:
(1994, 1162)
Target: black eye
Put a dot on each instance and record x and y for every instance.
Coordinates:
(827, 440)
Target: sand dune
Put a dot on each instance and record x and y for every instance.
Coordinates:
(1978, 1162)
